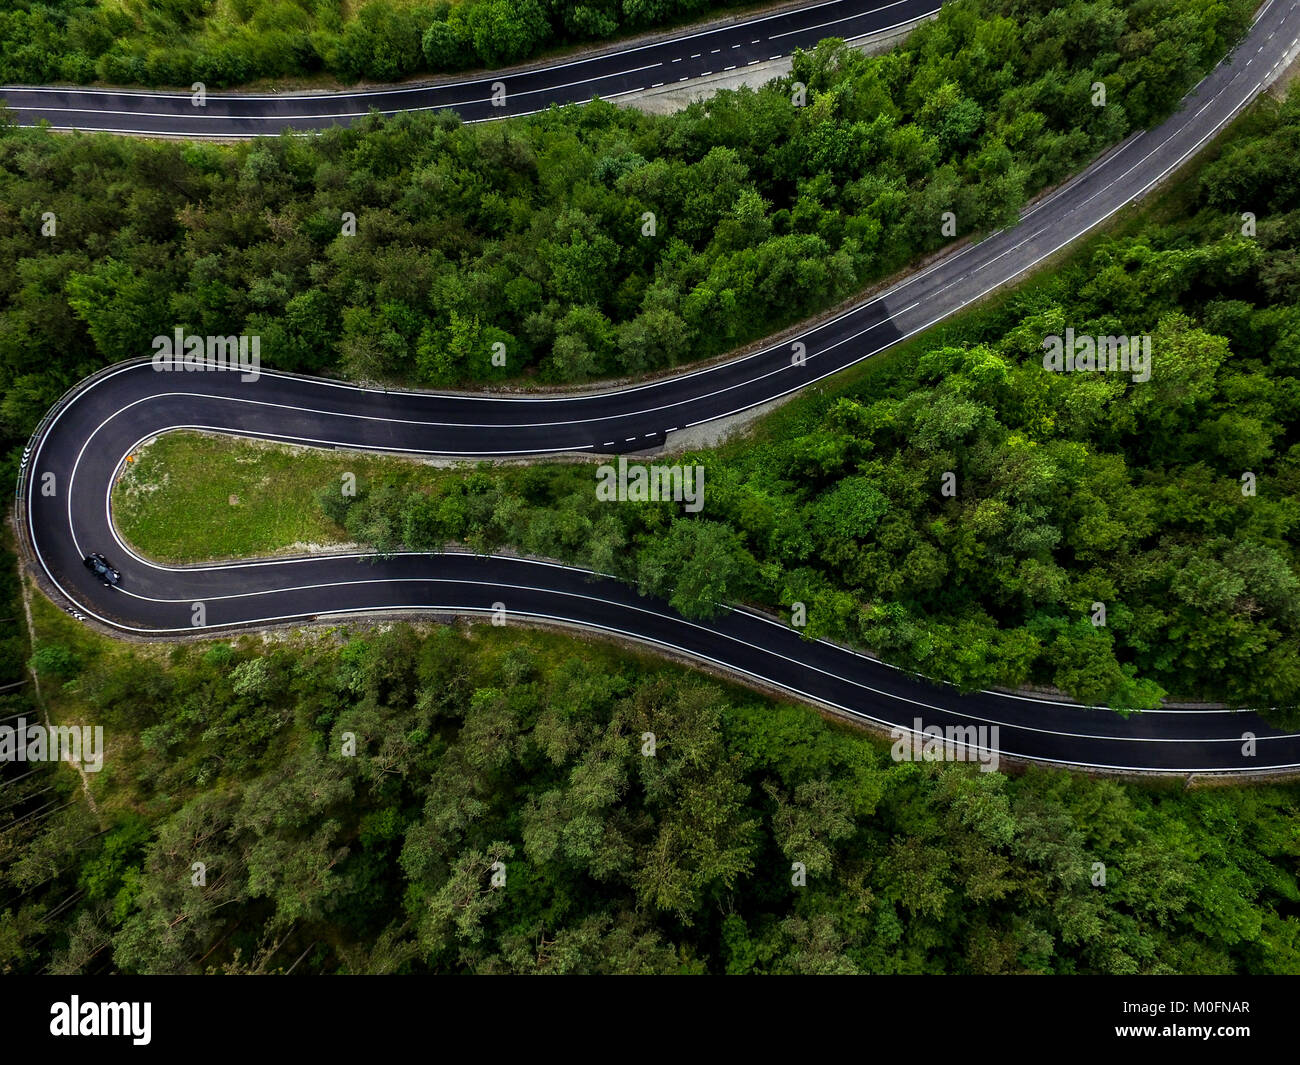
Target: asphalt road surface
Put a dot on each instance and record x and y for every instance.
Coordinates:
(83, 443)
(610, 74)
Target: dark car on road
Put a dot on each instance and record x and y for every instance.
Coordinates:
(101, 568)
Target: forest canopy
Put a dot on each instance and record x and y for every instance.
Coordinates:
(511, 753)
(1173, 502)
(519, 754)
(529, 233)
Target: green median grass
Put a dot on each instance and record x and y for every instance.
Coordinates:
(197, 497)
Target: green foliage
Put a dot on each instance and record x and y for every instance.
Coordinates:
(520, 755)
(1072, 489)
(55, 660)
(531, 234)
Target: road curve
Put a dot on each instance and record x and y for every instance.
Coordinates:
(81, 445)
(610, 74)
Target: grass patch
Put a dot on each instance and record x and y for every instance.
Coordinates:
(197, 497)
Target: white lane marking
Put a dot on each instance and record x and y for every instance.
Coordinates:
(205, 115)
(265, 563)
(463, 609)
(846, 18)
(1038, 700)
(649, 612)
(279, 562)
(937, 265)
(255, 563)
(899, 288)
(308, 117)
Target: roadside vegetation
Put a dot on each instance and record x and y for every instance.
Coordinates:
(489, 745)
(529, 233)
(1072, 489)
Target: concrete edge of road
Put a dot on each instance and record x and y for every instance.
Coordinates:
(675, 97)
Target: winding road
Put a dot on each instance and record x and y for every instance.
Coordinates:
(610, 73)
(81, 445)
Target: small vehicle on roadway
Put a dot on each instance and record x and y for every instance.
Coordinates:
(103, 569)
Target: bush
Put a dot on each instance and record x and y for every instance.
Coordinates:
(507, 31)
(51, 659)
